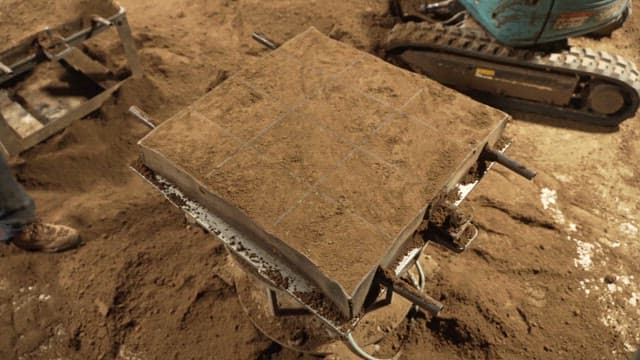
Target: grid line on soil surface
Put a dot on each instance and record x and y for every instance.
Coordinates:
(293, 107)
(314, 187)
(249, 142)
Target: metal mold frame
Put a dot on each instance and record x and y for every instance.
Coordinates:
(34, 50)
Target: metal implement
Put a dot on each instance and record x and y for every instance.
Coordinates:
(492, 155)
(264, 40)
(473, 55)
(29, 112)
(6, 69)
(404, 289)
(142, 116)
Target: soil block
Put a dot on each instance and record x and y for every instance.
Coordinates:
(328, 155)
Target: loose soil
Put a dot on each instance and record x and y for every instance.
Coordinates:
(149, 285)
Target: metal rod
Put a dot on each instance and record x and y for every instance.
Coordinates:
(502, 159)
(5, 68)
(142, 116)
(405, 290)
(262, 39)
(421, 277)
(101, 20)
(273, 300)
(433, 6)
(424, 301)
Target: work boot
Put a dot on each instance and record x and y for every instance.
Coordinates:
(47, 238)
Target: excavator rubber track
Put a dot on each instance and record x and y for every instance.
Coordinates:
(577, 70)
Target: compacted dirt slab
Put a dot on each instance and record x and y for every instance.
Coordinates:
(312, 145)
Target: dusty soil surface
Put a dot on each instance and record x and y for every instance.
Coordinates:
(553, 274)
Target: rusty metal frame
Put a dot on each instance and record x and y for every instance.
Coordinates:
(30, 52)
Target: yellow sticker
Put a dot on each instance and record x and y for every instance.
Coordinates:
(485, 73)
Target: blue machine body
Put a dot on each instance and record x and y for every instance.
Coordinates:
(533, 22)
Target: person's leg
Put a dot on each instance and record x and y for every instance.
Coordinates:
(17, 209)
(18, 223)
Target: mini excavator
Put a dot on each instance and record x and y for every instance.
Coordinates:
(515, 54)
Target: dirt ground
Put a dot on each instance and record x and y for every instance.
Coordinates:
(553, 274)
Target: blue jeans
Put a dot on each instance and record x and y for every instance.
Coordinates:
(17, 209)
